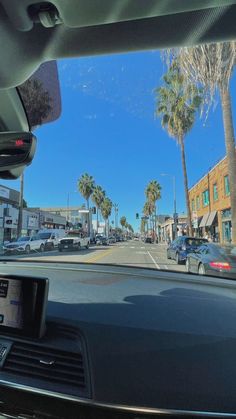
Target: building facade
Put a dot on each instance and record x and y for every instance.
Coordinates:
(167, 228)
(210, 204)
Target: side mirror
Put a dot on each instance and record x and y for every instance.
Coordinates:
(17, 150)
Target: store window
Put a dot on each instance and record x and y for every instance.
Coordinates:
(205, 198)
(198, 202)
(215, 192)
(226, 183)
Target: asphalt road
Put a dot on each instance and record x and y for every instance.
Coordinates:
(130, 253)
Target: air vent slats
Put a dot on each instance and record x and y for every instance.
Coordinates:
(47, 364)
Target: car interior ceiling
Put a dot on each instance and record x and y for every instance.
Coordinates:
(87, 28)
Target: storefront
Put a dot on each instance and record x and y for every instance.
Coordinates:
(226, 225)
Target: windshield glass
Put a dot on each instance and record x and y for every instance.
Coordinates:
(44, 236)
(24, 239)
(138, 156)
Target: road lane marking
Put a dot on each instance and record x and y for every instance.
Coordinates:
(143, 247)
(100, 256)
(141, 253)
(157, 266)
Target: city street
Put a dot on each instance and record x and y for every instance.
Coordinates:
(130, 253)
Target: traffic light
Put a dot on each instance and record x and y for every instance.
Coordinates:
(137, 215)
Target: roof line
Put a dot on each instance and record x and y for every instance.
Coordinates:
(209, 171)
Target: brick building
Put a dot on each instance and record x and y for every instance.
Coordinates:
(210, 203)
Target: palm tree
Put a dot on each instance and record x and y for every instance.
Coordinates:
(177, 103)
(86, 187)
(153, 193)
(106, 208)
(123, 221)
(97, 197)
(211, 66)
(148, 210)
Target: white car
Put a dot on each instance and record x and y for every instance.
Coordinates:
(73, 240)
(51, 237)
(25, 244)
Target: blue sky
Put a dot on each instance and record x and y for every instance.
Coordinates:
(107, 128)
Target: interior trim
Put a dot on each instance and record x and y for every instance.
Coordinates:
(113, 406)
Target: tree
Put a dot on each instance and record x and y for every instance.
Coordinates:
(106, 208)
(86, 187)
(143, 226)
(123, 221)
(148, 210)
(177, 103)
(153, 193)
(211, 67)
(98, 197)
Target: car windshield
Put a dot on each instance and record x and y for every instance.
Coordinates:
(195, 242)
(24, 239)
(44, 236)
(138, 156)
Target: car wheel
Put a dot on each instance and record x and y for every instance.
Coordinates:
(41, 248)
(168, 255)
(52, 246)
(177, 258)
(187, 266)
(87, 247)
(79, 246)
(59, 249)
(201, 269)
(27, 249)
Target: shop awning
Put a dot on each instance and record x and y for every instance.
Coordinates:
(211, 218)
(204, 220)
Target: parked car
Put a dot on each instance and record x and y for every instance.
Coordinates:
(111, 239)
(73, 240)
(182, 246)
(148, 240)
(213, 259)
(101, 240)
(51, 237)
(24, 245)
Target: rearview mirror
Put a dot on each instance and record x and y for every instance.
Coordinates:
(17, 150)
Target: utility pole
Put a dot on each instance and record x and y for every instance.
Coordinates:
(20, 215)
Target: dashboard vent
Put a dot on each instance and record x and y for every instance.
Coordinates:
(48, 364)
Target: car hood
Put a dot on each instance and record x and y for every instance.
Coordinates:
(16, 244)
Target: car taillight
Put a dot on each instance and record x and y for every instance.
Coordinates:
(220, 265)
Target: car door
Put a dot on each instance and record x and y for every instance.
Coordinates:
(174, 247)
(35, 243)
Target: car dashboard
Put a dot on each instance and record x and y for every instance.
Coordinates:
(123, 342)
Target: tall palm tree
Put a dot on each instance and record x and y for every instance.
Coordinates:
(177, 103)
(148, 210)
(106, 208)
(211, 66)
(153, 193)
(97, 197)
(86, 185)
(123, 221)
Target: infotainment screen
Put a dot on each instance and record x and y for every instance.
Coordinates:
(23, 303)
